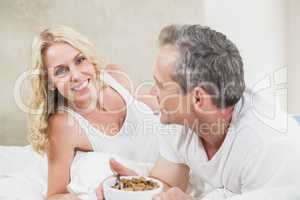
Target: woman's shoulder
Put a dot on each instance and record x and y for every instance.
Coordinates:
(120, 76)
(64, 129)
(58, 118)
(62, 125)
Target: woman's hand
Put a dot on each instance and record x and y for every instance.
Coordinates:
(118, 168)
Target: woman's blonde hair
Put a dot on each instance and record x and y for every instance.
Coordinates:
(44, 101)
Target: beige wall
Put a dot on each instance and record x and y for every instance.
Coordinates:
(260, 30)
(124, 32)
(294, 60)
(258, 27)
(267, 33)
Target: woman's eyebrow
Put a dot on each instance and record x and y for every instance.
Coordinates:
(63, 65)
(77, 55)
(60, 65)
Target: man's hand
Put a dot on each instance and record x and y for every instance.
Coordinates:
(119, 169)
(63, 197)
(173, 194)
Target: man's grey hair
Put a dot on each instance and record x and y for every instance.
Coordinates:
(208, 59)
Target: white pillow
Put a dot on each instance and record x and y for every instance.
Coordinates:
(89, 169)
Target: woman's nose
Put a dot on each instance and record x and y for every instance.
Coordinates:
(76, 74)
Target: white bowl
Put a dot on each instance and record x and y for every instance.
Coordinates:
(115, 194)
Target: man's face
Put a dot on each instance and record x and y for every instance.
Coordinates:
(173, 105)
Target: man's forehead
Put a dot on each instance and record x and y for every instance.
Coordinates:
(166, 58)
(167, 54)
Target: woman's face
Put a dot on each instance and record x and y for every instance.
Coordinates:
(71, 73)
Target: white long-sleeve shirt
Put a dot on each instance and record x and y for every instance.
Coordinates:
(258, 158)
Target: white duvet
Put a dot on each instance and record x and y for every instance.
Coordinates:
(23, 173)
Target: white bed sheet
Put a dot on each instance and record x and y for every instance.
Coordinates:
(14, 159)
(23, 173)
(26, 172)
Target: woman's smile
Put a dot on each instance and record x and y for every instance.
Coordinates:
(80, 86)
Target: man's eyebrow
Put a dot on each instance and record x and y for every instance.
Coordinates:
(156, 80)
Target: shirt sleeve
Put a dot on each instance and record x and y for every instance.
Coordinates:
(218, 194)
(275, 165)
(272, 173)
(170, 137)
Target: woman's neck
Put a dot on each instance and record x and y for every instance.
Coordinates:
(89, 107)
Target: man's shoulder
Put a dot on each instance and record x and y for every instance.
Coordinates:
(177, 142)
(174, 134)
(257, 116)
(260, 123)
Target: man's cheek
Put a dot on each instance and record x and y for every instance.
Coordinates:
(170, 105)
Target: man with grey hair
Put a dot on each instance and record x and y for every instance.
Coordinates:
(222, 145)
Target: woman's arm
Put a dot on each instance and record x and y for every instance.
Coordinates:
(172, 175)
(62, 143)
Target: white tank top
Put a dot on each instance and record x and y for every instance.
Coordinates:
(137, 139)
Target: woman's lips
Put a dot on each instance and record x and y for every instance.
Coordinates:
(80, 86)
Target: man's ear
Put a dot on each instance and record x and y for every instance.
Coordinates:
(198, 98)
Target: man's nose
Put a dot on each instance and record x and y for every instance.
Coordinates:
(154, 91)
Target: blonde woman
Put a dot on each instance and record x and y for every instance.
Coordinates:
(80, 105)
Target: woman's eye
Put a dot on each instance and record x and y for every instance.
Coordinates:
(80, 60)
(61, 71)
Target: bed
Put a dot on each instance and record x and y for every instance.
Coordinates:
(23, 173)
(26, 171)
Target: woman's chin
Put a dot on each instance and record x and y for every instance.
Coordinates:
(84, 101)
(83, 95)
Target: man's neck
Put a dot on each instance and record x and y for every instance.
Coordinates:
(216, 130)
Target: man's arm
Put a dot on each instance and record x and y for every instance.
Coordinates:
(269, 173)
(171, 174)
